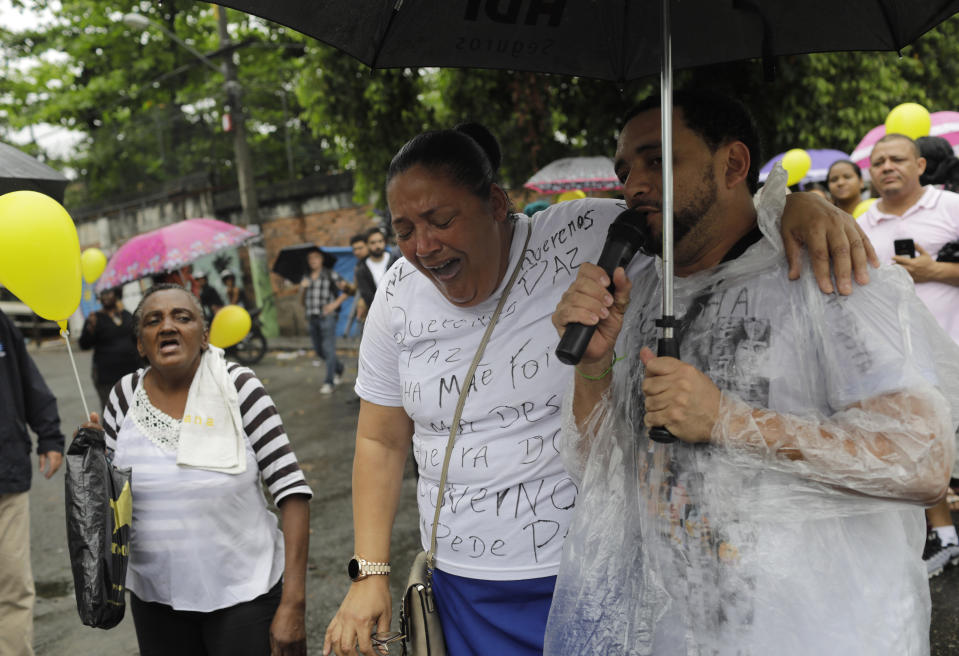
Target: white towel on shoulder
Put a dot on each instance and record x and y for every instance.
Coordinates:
(212, 436)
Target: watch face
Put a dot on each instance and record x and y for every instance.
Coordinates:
(353, 569)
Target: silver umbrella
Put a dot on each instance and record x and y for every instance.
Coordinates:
(569, 173)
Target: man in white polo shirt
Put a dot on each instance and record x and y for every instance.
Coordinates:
(930, 218)
(370, 271)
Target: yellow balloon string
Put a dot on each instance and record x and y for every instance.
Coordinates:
(65, 334)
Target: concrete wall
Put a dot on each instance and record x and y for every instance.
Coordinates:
(108, 225)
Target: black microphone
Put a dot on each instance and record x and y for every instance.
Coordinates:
(626, 235)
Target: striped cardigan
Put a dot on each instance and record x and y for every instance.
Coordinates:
(261, 423)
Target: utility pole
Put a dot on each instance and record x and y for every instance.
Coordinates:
(286, 136)
(254, 266)
(242, 157)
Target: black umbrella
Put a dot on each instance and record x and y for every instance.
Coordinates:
(20, 172)
(291, 261)
(616, 40)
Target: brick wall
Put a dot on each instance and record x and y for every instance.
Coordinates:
(329, 228)
(337, 226)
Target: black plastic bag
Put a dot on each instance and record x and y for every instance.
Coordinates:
(99, 510)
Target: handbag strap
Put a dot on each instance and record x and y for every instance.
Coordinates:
(454, 429)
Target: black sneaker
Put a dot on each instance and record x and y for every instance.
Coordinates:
(936, 556)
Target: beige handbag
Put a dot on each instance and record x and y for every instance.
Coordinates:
(419, 619)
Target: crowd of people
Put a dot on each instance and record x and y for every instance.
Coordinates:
(815, 418)
(324, 293)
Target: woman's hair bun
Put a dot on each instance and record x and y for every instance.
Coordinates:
(482, 136)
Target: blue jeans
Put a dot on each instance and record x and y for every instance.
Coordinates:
(323, 334)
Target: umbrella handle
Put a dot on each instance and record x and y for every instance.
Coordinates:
(666, 347)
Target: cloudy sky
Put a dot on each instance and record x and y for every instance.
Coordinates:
(13, 19)
(53, 139)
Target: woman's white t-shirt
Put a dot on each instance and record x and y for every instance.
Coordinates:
(508, 500)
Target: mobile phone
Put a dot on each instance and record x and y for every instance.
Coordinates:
(905, 247)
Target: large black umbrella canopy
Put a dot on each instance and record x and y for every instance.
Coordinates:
(20, 172)
(616, 40)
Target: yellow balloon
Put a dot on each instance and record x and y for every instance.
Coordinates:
(229, 326)
(92, 264)
(796, 162)
(573, 194)
(862, 207)
(40, 254)
(910, 119)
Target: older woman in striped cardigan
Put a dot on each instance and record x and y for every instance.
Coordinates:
(210, 572)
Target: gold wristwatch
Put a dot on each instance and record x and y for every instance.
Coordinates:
(359, 569)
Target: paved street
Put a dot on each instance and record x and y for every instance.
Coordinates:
(322, 430)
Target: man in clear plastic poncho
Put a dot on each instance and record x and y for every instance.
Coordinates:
(812, 428)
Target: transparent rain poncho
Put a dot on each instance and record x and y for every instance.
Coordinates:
(799, 529)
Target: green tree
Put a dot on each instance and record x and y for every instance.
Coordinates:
(830, 100)
(361, 116)
(151, 111)
(367, 115)
(537, 118)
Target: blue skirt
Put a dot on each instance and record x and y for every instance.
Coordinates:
(482, 617)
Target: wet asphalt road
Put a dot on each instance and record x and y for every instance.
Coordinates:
(322, 430)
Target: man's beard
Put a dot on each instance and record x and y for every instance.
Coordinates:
(375, 253)
(684, 218)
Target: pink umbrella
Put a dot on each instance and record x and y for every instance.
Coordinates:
(169, 248)
(944, 124)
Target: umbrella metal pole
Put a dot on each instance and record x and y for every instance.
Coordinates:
(667, 341)
(666, 121)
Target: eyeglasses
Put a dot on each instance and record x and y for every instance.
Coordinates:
(389, 643)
